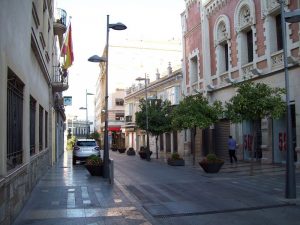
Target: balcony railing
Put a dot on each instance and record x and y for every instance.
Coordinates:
(60, 80)
(61, 16)
(60, 24)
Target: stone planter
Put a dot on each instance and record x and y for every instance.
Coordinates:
(213, 167)
(143, 154)
(95, 170)
(122, 150)
(176, 162)
(130, 151)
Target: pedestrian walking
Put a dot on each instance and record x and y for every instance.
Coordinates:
(231, 148)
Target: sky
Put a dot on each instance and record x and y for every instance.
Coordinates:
(151, 40)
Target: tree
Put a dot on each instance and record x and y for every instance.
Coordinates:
(195, 111)
(159, 120)
(254, 102)
(95, 135)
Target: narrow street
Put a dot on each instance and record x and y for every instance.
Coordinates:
(155, 193)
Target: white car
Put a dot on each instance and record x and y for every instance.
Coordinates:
(84, 148)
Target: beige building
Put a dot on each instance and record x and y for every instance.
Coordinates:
(115, 114)
(167, 87)
(32, 111)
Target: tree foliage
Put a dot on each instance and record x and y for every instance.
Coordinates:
(255, 101)
(195, 111)
(158, 116)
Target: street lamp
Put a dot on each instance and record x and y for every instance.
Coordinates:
(87, 119)
(147, 124)
(85, 108)
(73, 130)
(98, 59)
(290, 183)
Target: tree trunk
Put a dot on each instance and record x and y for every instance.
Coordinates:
(193, 135)
(254, 141)
(156, 139)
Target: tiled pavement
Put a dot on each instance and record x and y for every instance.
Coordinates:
(155, 193)
(69, 195)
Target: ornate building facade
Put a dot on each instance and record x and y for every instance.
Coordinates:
(227, 42)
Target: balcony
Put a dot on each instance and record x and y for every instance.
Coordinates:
(60, 24)
(128, 119)
(60, 80)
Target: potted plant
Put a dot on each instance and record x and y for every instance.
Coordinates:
(143, 153)
(114, 147)
(94, 165)
(211, 163)
(175, 160)
(130, 151)
(121, 149)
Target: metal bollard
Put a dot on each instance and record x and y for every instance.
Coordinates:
(111, 171)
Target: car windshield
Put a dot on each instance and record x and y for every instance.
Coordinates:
(86, 143)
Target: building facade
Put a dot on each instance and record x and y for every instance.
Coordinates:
(115, 114)
(31, 84)
(227, 42)
(167, 87)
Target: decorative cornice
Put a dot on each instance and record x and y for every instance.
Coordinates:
(215, 5)
(188, 3)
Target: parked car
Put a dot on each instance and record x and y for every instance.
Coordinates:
(84, 148)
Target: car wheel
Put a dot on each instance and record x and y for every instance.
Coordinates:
(74, 160)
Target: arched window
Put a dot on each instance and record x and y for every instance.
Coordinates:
(244, 20)
(194, 69)
(222, 44)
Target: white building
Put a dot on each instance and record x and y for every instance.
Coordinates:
(31, 84)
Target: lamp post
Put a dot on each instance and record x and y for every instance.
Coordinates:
(290, 182)
(87, 119)
(86, 122)
(95, 58)
(147, 124)
(73, 118)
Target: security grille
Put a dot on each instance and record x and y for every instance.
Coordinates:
(41, 111)
(32, 125)
(46, 129)
(14, 120)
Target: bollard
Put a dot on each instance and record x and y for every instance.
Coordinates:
(111, 171)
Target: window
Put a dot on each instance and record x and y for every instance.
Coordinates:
(222, 40)
(244, 21)
(14, 120)
(250, 45)
(41, 128)
(46, 129)
(119, 101)
(120, 116)
(279, 32)
(32, 125)
(225, 46)
(86, 143)
(194, 70)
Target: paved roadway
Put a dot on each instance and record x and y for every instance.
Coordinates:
(155, 193)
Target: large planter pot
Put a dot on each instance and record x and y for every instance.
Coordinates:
(143, 154)
(95, 170)
(114, 149)
(176, 162)
(211, 167)
(122, 150)
(130, 152)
